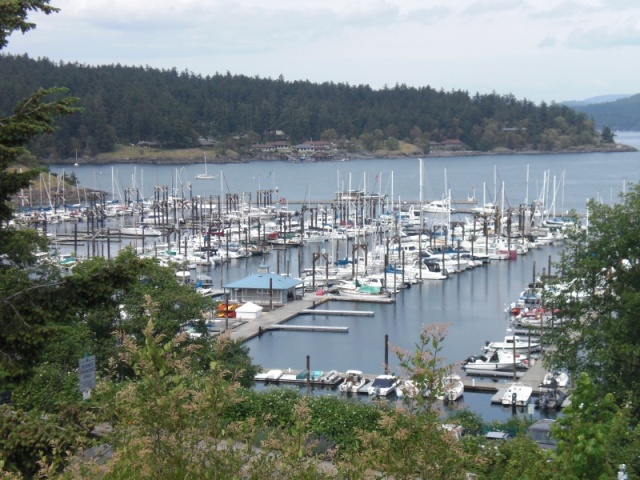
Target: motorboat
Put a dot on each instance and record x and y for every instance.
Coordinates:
(353, 381)
(438, 206)
(512, 343)
(550, 398)
(360, 288)
(383, 385)
(555, 379)
(140, 231)
(331, 376)
(273, 375)
(537, 318)
(517, 394)
(407, 388)
(452, 388)
(498, 360)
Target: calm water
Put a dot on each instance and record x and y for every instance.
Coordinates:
(471, 303)
(572, 178)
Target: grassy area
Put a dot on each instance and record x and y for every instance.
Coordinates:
(128, 151)
(404, 149)
(195, 155)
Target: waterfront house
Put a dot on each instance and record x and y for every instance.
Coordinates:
(264, 288)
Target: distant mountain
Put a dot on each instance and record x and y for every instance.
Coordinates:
(596, 100)
(618, 112)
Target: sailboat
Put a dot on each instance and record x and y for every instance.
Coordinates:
(205, 175)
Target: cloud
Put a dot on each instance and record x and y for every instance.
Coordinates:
(548, 41)
(493, 6)
(598, 38)
(428, 15)
(566, 9)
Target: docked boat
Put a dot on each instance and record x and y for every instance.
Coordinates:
(452, 388)
(273, 375)
(550, 398)
(438, 206)
(536, 318)
(512, 343)
(517, 394)
(331, 376)
(353, 382)
(140, 231)
(407, 388)
(498, 360)
(356, 288)
(555, 379)
(383, 385)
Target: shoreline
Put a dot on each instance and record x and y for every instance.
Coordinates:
(169, 160)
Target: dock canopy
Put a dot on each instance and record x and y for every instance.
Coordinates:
(248, 311)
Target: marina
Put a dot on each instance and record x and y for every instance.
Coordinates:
(534, 376)
(471, 300)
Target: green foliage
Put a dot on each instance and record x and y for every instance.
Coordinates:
(29, 439)
(607, 135)
(331, 418)
(234, 355)
(471, 421)
(59, 319)
(121, 105)
(517, 458)
(19, 246)
(424, 367)
(411, 442)
(32, 116)
(13, 16)
(168, 422)
(516, 425)
(595, 435)
(597, 299)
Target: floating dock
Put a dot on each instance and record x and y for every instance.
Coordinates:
(306, 306)
(307, 328)
(339, 313)
(363, 298)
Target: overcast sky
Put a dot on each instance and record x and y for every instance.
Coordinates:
(551, 50)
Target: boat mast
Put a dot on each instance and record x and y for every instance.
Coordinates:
(526, 196)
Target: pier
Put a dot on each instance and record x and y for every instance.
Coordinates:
(275, 319)
(533, 377)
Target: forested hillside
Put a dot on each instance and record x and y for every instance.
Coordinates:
(132, 104)
(623, 114)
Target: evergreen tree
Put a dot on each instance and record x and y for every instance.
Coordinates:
(607, 135)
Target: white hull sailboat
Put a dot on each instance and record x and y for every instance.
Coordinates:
(205, 175)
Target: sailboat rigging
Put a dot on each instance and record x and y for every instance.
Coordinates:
(205, 175)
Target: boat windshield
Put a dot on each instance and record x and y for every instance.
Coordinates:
(382, 382)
